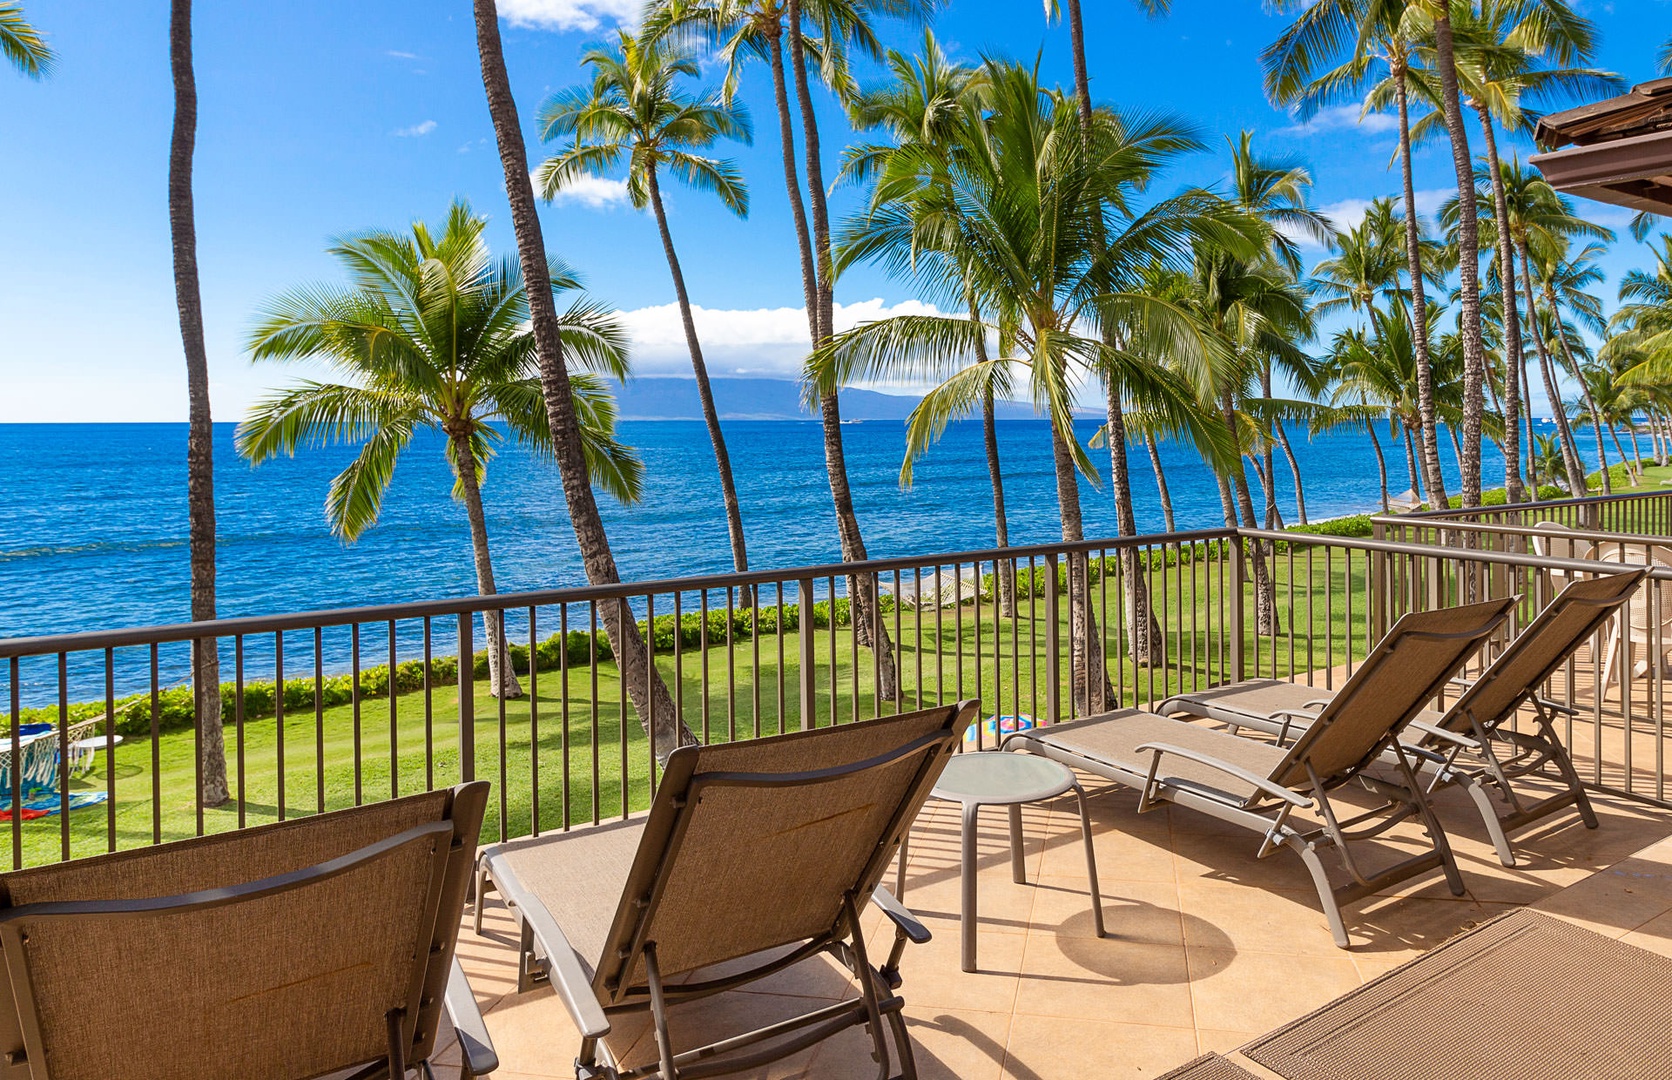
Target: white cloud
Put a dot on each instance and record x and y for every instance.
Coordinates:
(1341, 118)
(399, 55)
(1347, 213)
(765, 342)
(583, 15)
(594, 192)
(416, 130)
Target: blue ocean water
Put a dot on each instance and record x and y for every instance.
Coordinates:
(94, 530)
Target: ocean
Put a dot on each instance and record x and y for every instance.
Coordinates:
(94, 530)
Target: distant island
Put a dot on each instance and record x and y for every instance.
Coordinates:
(675, 398)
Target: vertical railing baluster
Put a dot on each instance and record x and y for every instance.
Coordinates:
(354, 704)
(1053, 674)
(429, 705)
(807, 681)
(565, 787)
(278, 721)
(16, 794)
(110, 749)
(319, 718)
(238, 721)
(394, 719)
(64, 760)
(467, 697)
(534, 719)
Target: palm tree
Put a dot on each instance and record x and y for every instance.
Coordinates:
(1038, 221)
(1605, 403)
(634, 109)
(1365, 265)
(1549, 464)
(761, 29)
(919, 107)
(23, 45)
(1377, 38)
(643, 683)
(1563, 284)
(432, 334)
(200, 439)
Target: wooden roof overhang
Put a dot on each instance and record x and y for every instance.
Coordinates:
(1616, 151)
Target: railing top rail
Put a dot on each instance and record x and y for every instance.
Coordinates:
(1586, 500)
(1507, 558)
(1403, 520)
(470, 605)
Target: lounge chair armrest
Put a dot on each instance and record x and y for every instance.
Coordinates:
(474, 1043)
(900, 916)
(1274, 790)
(1445, 735)
(1556, 706)
(1424, 753)
(563, 964)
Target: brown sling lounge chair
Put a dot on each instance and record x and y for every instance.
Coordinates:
(1259, 786)
(289, 950)
(757, 855)
(1472, 733)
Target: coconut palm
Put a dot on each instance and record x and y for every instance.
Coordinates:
(644, 685)
(1038, 221)
(200, 437)
(431, 334)
(1370, 42)
(1563, 285)
(23, 45)
(634, 109)
(1606, 404)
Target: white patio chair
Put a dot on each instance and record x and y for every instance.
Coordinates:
(1648, 627)
(1553, 540)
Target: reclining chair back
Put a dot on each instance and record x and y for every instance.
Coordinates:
(1406, 670)
(753, 845)
(284, 950)
(1577, 612)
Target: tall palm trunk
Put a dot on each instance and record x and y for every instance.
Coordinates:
(705, 393)
(1514, 489)
(1584, 390)
(1165, 495)
(1468, 268)
(644, 685)
(1636, 449)
(1144, 641)
(1265, 591)
(1428, 429)
(1294, 471)
(1143, 630)
(1411, 463)
(502, 677)
(1564, 433)
(1381, 465)
(1268, 464)
(1086, 667)
(866, 608)
(1004, 572)
(200, 440)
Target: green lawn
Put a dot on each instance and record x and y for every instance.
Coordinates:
(592, 758)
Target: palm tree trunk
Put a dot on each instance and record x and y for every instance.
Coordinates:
(644, 685)
(1086, 668)
(1268, 472)
(1411, 463)
(1585, 391)
(1514, 489)
(1143, 630)
(1265, 592)
(1381, 465)
(1636, 450)
(874, 633)
(1004, 572)
(502, 678)
(1468, 268)
(1456, 448)
(200, 440)
(1570, 451)
(1428, 431)
(1227, 502)
(1160, 483)
(705, 393)
(1294, 471)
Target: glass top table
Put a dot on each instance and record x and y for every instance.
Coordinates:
(997, 778)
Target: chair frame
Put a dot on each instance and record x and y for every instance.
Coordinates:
(1268, 811)
(595, 1001)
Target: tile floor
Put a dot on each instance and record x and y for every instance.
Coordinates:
(1207, 946)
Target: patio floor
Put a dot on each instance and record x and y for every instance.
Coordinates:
(1207, 947)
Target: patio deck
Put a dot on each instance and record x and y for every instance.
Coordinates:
(1208, 947)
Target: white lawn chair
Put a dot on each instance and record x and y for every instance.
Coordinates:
(1553, 540)
(1648, 616)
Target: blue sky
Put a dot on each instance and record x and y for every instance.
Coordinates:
(322, 118)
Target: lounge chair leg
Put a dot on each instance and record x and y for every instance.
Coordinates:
(867, 977)
(1018, 862)
(1442, 846)
(397, 1044)
(1326, 893)
(1091, 862)
(481, 893)
(902, 1045)
(659, 1013)
(1564, 765)
(1488, 817)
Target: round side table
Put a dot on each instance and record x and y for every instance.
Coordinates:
(997, 778)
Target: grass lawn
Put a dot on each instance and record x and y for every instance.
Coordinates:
(581, 756)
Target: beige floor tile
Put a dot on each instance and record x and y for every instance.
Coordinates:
(1048, 1048)
(1258, 991)
(1137, 911)
(934, 977)
(1215, 1041)
(1106, 978)
(946, 1045)
(1258, 920)
(1619, 899)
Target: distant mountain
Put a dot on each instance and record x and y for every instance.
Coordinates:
(671, 398)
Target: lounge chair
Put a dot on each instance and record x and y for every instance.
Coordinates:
(1479, 722)
(755, 855)
(1259, 786)
(288, 950)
